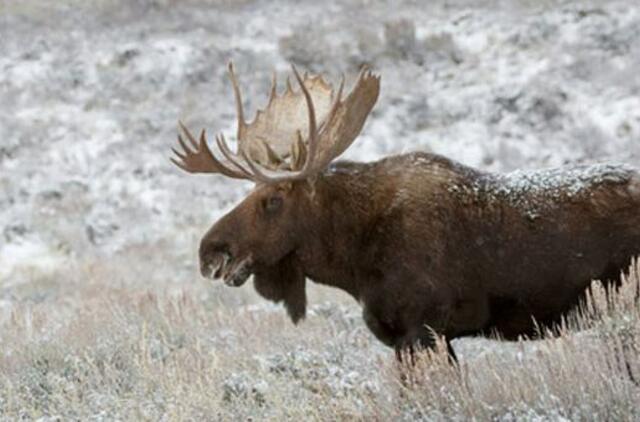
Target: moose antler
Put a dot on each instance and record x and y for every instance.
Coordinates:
(272, 149)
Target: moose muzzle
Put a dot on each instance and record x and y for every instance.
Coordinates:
(216, 261)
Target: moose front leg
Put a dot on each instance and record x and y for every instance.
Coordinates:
(422, 339)
(415, 340)
(404, 341)
(453, 359)
(384, 331)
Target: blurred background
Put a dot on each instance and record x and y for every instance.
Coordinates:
(91, 92)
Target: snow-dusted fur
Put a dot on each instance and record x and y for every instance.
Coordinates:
(428, 245)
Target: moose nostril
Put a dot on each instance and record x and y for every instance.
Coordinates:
(212, 248)
(213, 255)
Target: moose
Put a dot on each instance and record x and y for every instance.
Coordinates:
(429, 247)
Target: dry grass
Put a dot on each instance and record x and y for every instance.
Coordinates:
(135, 354)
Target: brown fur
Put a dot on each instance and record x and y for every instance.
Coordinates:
(424, 243)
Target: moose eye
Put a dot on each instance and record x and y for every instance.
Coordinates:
(273, 203)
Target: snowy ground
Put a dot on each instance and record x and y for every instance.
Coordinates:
(90, 93)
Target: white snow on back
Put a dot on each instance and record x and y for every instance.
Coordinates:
(534, 191)
(559, 182)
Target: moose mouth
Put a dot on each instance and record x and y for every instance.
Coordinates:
(234, 272)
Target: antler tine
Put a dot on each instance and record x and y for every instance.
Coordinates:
(185, 149)
(336, 101)
(191, 139)
(289, 90)
(241, 174)
(236, 93)
(313, 133)
(230, 156)
(257, 173)
(274, 87)
(298, 152)
(364, 71)
(198, 158)
(340, 89)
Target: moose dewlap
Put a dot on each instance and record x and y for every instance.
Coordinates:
(428, 246)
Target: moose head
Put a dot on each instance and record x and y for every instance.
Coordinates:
(283, 151)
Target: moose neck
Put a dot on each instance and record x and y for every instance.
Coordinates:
(342, 211)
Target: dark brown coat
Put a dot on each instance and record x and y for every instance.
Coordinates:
(424, 243)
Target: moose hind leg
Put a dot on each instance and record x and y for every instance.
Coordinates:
(453, 358)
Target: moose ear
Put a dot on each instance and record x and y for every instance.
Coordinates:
(284, 282)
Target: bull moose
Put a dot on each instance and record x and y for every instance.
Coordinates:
(429, 247)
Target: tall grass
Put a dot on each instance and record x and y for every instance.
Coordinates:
(121, 354)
